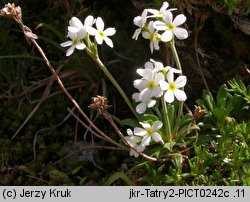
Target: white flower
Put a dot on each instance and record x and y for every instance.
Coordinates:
(159, 13)
(77, 32)
(140, 22)
(151, 34)
(75, 25)
(76, 42)
(148, 132)
(172, 88)
(170, 27)
(142, 107)
(133, 141)
(149, 85)
(101, 34)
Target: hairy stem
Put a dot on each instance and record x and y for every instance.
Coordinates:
(166, 120)
(178, 65)
(117, 86)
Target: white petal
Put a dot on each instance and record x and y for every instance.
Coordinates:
(180, 33)
(156, 92)
(65, 44)
(157, 137)
(80, 46)
(72, 35)
(150, 27)
(146, 35)
(133, 153)
(169, 96)
(180, 95)
(159, 25)
(136, 34)
(110, 31)
(180, 81)
(164, 6)
(73, 29)
(151, 103)
(99, 24)
(144, 16)
(108, 42)
(140, 71)
(157, 125)
(145, 141)
(99, 39)
(141, 108)
(164, 85)
(158, 77)
(151, 47)
(145, 125)
(140, 132)
(153, 11)
(140, 148)
(82, 33)
(140, 84)
(149, 65)
(75, 22)
(145, 94)
(170, 77)
(179, 20)
(148, 74)
(129, 132)
(70, 50)
(89, 21)
(168, 17)
(156, 45)
(135, 97)
(167, 36)
(92, 31)
(137, 21)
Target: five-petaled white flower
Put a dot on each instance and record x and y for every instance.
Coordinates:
(151, 34)
(148, 132)
(75, 25)
(101, 34)
(140, 22)
(134, 142)
(142, 107)
(170, 27)
(149, 85)
(76, 42)
(172, 88)
(159, 13)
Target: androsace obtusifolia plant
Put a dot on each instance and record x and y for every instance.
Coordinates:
(158, 121)
(161, 129)
(160, 96)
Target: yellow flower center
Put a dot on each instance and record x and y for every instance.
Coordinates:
(152, 37)
(172, 87)
(102, 34)
(149, 131)
(151, 85)
(171, 27)
(75, 41)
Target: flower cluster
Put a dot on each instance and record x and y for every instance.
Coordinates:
(79, 32)
(157, 81)
(163, 28)
(141, 137)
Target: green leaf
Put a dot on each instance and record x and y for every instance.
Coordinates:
(222, 96)
(150, 117)
(169, 145)
(130, 122)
